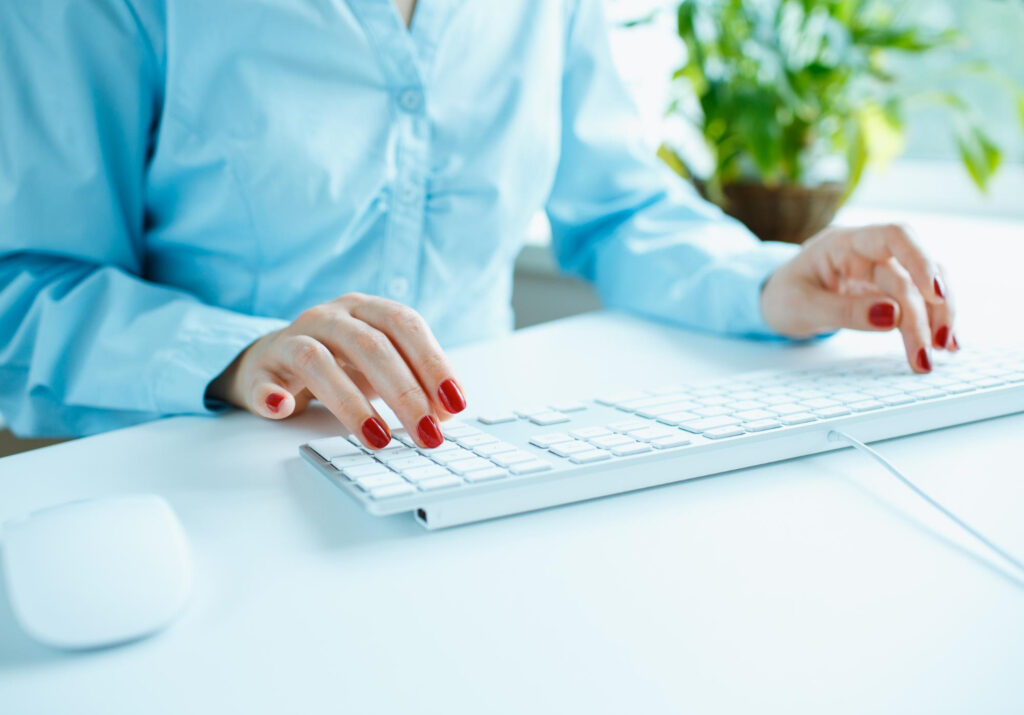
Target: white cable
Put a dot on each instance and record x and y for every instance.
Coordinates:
(837, 436)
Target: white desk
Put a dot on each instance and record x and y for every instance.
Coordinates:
(816, 585)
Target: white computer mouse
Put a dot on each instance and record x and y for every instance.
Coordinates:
(97, 572)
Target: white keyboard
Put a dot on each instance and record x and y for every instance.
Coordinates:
(548, 454)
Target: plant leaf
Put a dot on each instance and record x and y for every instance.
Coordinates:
(979, 153)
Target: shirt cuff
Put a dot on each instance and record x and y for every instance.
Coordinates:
(752, 269)
(208, 340)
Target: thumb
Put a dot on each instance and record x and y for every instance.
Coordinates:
(832, 311)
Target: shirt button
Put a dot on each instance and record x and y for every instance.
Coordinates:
(410, 100)
(398, 287)
(408, 194)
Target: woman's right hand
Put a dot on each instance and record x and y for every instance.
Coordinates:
(344, 353)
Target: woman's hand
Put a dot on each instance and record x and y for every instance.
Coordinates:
(870, 278)
(344, 353)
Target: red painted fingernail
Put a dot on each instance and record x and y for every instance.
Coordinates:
(376, 433)
(937, 285)
(430, 432)
(922, 360)
(882, 315)
(956, 345)
(274, 400)
(451, 396)
(942, 336)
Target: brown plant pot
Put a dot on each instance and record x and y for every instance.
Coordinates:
(781, 213)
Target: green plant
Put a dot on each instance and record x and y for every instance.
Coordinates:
(780, 84)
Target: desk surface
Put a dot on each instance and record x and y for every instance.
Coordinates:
(814, 585)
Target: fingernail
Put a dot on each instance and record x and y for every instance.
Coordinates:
(451, 396)
(430, 432)
(923, 361)
(376, 433)
(956, 345)
(937, 285)
(274, 400)
(882, 315)
(942, 336)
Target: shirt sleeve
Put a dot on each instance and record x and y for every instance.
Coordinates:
(622, 220)
(86, 344)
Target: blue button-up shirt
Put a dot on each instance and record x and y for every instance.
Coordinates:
(179, 178)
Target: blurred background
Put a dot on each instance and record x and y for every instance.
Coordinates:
(956, 69)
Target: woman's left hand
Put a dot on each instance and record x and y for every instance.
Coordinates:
(869, 278)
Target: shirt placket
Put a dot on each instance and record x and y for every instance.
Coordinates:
(402, 56)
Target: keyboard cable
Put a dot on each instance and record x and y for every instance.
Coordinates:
(839, 436)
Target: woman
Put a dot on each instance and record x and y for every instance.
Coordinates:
(187, 187)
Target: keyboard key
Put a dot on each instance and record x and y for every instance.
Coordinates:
(506, 459)
(787, 408)
(712, 411)
(393, 490)
(798, 418)
(486, 450)
(677, 439)
(761, 425)
(459, 430)
(565, 449)
(354, 460)
(675, 419)
(651, 433)
(486, 475)
(820, 403)
(418, 474)
(464, 466)
(590, 455)
(866, 405)
(744, 405)
(365, 470)
(410, 463)
(475, 440)
(588, 432)
(754, 415)
(372, 481)
(848, 398)
(700, 426)
(830, 412)
(610, 440)
(723, 432)
(537, 465)
(395, 455)
(643, 402)
(652, 413)
(928, 393)
(446, 482)
(568, 406)
(624, 450)
(497, 418)
(548, 418)
(457, 455)
(546, 440)
(331, 447)
(898, 399)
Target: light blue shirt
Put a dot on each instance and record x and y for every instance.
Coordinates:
(180, 178)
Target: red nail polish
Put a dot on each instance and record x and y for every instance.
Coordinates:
(376, 433)
(937, 285)
(430, 432)
(922, 360)
(882, 315)
(274, 401)
(451, 396)
(956, 345)
(942, 336)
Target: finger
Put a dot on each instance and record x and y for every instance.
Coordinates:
(311, 362)
(879, 243)
(831, 311)
(412, 337)
(941, 317)
(371, 352)
(895, 281)
(269, 399)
